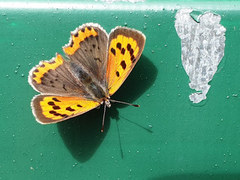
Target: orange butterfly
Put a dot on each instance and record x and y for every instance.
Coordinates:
(97, 66)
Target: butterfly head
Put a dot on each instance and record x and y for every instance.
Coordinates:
(107, 102)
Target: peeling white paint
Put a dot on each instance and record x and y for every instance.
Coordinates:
(203, 44)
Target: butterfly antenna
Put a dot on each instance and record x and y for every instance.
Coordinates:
(103, 119)
(121, 102)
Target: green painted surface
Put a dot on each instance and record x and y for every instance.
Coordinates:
(166, 138)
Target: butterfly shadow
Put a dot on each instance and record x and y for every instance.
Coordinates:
(82, 135)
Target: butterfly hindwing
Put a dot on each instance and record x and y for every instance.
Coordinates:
(88, 48)
(53, 109)
(125, 48)
(55, 77)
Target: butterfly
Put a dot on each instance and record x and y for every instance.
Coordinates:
(96, 65)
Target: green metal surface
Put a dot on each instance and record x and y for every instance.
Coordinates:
(166, 138)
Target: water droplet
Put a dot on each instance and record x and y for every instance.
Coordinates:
(165, 45)
(215, 165)
(7, 75)
(235, 95)
(31, 168)
(125, 24)
(13, 160)
(177, 66)
(227, 97)
(145, 16)
(150, 126)
(15, 71)
(159, 24)
(116, 17)
(12, 44)
(75, 164)
(145, 27)
(148, 95)
(152, 51)
(221, 139)
(22, 75)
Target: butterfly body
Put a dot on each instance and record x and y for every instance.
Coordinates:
(96, 66)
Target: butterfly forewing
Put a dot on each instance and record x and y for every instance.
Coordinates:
(88, 49)
(125, 48)
(54, 77)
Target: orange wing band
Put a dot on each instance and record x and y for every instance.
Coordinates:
(45, 66)
(77, 38)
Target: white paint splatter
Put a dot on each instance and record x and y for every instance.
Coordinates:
(203, 44)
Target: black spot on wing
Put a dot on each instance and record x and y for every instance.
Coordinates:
(117, 73)
(128, 47)
(56, 107)
(119, 46)
(71, 44)
(113, 51)
(70, 109)
(123, 51)
(52, 112)
(123, 64)
(76, 35)
(51, 103)
(64, 87)
(55, 99)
